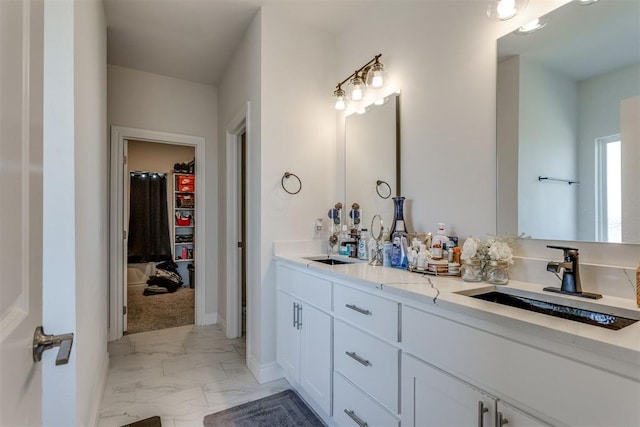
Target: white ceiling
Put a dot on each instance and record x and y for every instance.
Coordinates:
(582, 41)
(195, 39)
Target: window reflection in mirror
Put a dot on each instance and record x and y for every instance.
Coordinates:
(561, 92)
(372, 153)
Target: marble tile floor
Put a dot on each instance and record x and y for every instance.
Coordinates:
(180, 374)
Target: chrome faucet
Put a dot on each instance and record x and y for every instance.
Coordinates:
(570, 267)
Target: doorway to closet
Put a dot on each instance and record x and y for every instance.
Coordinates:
(184, 213)
(159, 287)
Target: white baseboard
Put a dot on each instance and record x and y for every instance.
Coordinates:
(211, 318)
(98, 391)
(266, 372)
(223, 325)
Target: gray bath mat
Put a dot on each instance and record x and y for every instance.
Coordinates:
(284, 409)
(148, 422)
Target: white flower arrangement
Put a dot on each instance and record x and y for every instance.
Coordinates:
(493, 249)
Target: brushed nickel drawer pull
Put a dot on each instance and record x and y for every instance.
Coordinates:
(356, 418)
(354, 356)
(358, 309)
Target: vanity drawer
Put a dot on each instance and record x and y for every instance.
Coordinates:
(371, 364)
(370, 312)
(351, 405)
(306, 287)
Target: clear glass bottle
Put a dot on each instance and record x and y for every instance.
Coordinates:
(497, 272)
(471, 270)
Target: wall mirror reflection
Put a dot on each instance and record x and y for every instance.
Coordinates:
(372, 153)
(568, 125)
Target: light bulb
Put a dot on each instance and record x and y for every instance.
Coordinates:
(356, 90)
(532, 27)
(506, 9)
(340, 98)
(377, 76)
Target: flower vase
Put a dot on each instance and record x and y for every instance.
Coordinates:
(471, 270)
(398, 216)
(497, 272)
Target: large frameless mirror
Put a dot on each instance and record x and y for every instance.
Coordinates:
(568, 128)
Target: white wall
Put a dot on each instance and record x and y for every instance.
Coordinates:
(442, 56)
(75, 214)
(283, 69)
(91, 189)
(599, 115)
(240, 84)
(547, 146)
(298, 129)
(148, 101)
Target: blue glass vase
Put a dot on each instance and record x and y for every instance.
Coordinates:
(398, 216)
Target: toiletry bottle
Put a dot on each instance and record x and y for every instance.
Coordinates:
(439, 241)
(399, 252)
(363, 253)
(387, 250)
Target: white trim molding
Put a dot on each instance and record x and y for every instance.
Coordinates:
(98, 391)
(235, 128)
(117, 227)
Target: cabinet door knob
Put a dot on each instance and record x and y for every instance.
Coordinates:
(299, 316)
(481, 411)
(356, 418)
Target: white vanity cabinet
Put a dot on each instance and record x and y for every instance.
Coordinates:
(304, 333)
(543, 385)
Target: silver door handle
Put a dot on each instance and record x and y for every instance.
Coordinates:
(500, 420)
(355, 418)
(481, 411)
(358, 309)
(354, 356)
(43, 342)
(299, 316)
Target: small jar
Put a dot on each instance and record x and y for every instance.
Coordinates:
(471, 270)
(497, 272)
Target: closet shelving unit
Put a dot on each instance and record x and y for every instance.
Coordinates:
(183, 235)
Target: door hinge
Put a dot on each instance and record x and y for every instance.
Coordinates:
(124, 310)
(124, 234)
(124, 160)
(240, 245)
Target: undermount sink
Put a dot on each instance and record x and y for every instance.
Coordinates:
(329, 261)
(578, 311)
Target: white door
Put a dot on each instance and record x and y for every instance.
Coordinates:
(21, 79)
(432, 398)
(315, 363)
(288, 336)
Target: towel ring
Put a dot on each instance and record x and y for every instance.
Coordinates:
(287, 175)
(378, 184)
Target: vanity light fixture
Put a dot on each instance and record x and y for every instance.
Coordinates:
(372, 74)
(502, 10)
(532, 27)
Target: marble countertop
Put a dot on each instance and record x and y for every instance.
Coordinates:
(424, 291)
